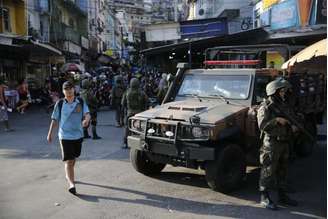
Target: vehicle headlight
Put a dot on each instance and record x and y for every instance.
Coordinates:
(139, 125)
(200, 132)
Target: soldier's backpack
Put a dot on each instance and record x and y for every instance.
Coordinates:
(60, 106)
(135, 100)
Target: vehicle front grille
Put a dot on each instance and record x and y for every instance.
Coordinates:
(161, 130)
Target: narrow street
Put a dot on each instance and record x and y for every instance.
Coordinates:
(33, 184)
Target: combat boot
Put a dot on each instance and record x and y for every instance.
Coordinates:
(285, 200)
(94, 133)
(86, 133)
(267, 202)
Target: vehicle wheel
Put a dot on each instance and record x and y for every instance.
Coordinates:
(228, 170)
(143, 164)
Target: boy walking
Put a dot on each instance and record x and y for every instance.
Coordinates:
(70, 114)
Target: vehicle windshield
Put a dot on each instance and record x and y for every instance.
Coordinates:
(227, 86)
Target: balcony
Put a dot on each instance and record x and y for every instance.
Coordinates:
(67, 33)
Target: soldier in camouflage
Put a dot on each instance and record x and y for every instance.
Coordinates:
(162, 88)
(135, 100)
(90, 99)
(275, 133)
(116, 98)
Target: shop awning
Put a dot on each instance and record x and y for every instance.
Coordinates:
(315, 50)
(300, 37)
(13, 46)
(246, 37)
(41, 49)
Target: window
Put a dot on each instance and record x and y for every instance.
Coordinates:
(259, 88)
(214, 86)
(6, 19)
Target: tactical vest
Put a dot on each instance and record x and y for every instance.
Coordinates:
(274, 112)
(135, 100)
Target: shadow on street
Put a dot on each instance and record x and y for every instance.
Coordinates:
(173, 204)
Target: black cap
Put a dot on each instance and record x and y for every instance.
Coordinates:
(67, 84)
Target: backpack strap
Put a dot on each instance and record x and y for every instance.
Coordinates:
(82, 105)
(60, 106)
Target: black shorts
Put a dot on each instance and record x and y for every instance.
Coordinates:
(71, 149)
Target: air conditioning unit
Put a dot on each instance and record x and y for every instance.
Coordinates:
(201, 13)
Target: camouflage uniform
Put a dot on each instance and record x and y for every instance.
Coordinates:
(275, 148)
(135, 101)
(117, 94)
(92, 102)
(274, 152)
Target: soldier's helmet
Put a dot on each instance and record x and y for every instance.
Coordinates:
(164, 76)
(286, 82)
(134, 83)
(85, 83)
(288, 85)
(273, 86)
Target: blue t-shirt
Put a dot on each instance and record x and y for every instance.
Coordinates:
(70, 124)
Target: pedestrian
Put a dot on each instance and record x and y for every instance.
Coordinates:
(116, 98)
(135, 101)
(70, 115)
(162, 88)
(274, 153)
(90, 99)
(3, 106)
(23, 96)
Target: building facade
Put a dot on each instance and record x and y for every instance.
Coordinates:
(69, 29)
(13, 25)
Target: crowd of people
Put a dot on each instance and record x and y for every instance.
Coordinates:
(106, 87)
(13, 96)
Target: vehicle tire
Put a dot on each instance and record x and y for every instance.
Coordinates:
(143, 164)
(228, 170)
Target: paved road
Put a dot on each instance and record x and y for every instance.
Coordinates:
(32, 182)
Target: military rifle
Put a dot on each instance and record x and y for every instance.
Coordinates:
(291, 119)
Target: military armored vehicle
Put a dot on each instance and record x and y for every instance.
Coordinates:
(208, 120)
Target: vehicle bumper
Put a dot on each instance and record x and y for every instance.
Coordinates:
(183, 150)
